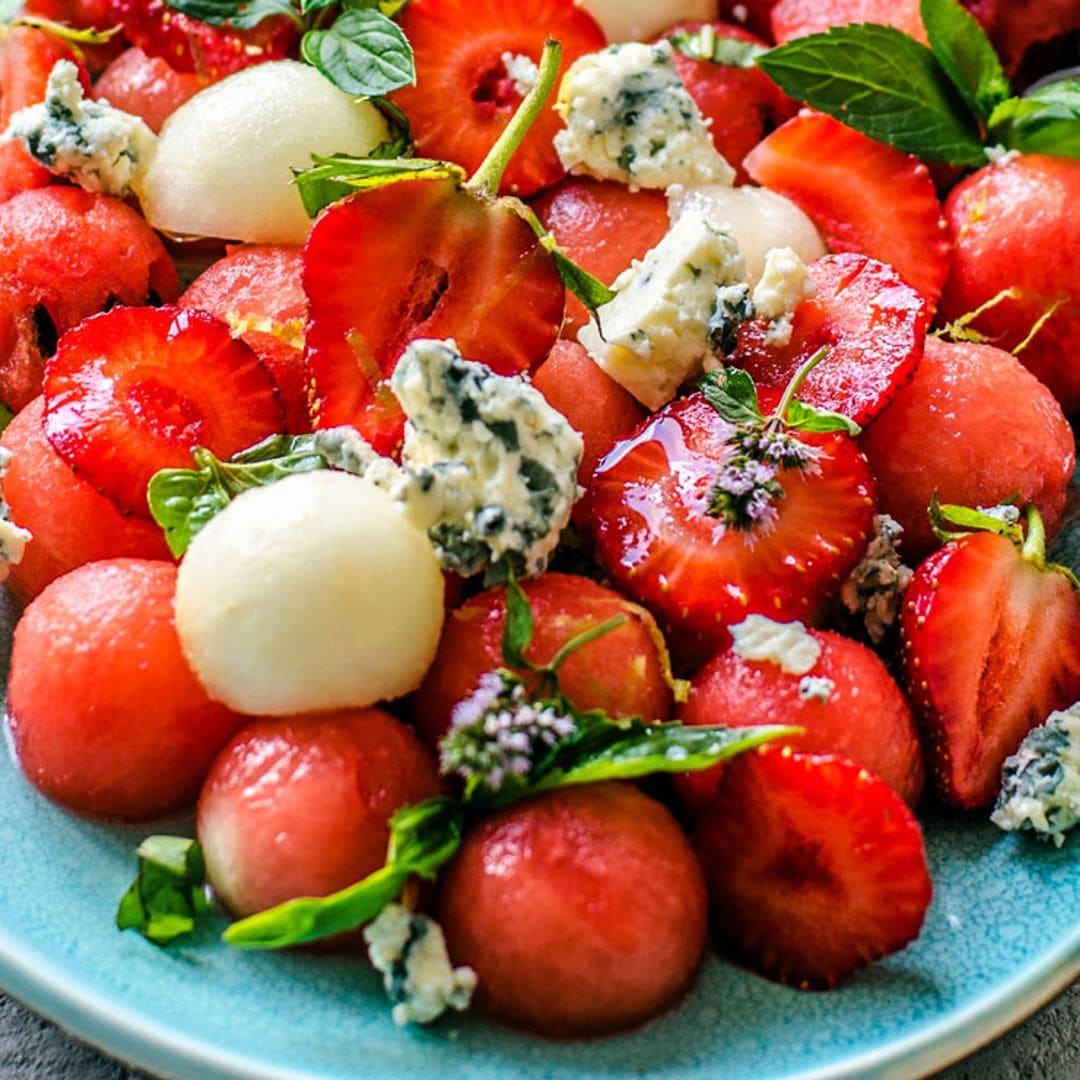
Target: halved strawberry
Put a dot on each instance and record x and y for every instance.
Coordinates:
(472, 68)
(873, 324)
(419, 259)
(797, 18)
(862, 195)
(662, 538)
(815, 867)
(991, 648)
(133, 390)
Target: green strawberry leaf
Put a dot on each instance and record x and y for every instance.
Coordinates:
(951, 522)
(332, 178)
(167, 896)
(731, 392)
(1046, 120)
(707, 44)
(363, 53)
(964, 51)
(883, 83)
(243, 14)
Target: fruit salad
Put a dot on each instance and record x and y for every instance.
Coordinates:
(556, 486)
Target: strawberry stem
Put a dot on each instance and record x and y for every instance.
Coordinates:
(485, 181)
(797, 380)
(1034, 549)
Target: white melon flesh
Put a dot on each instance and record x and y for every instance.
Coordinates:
(224, 158)
(642, 20)
(313, 593)
(759, 219)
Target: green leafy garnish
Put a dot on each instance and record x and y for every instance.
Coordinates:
(243, 14)
(167, 896)
(1046, 120)
(363, 53)
(332, 178)
(964, 51)
(707, 44)
(732, 393)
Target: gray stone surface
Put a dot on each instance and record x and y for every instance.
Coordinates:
(1046, 1047)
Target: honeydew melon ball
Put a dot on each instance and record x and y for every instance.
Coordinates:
(313, 593)
(224, 158)
(642, 20)
(759, 219)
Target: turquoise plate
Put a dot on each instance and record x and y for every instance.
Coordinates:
(1001, 938)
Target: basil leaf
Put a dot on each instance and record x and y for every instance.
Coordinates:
(364, 53)
(1046, 120)
(884, 84)
(802, 417)
(731, 392)
(243, 14)
(422, 839)
(518, 628)
(167, 896)
(332, 178)
(706, 44)
(965, 53)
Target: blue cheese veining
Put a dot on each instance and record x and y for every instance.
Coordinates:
(88, 142)
(630, 118)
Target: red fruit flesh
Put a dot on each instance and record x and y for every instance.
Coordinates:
(797, 18)
(261, 284)
(72, 522)
(106, 716)
(1015, 25)
(146, 86)
(415, 260)
(300, 805)
(977, 428)
(135, 390)
(755, 15)
(991, 648)
(654, 536)
(620, 672)
(815, 867)
(873, 324)
(1038, 261)
(866, 718)
(862, 195)
(603, 226)
(464, 96)
(582, 911)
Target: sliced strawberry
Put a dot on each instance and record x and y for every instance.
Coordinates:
(465, 94)
(650, 503)
(862, 195)
(815, 867)
(194, 46)
(603, 226)
(146, 86)
(991, 648)
(797, 18)
(873, 324)
(134, 390)
(419, 259)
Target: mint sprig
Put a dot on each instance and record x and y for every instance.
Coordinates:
(167, 896)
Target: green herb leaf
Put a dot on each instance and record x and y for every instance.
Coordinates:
(965, 520)
(387, 7)
(363, 53)
(518, 628)
(167, 896)
(242, 14)
(332, 178)
(966, 55)
(802, 417)
(6, 416)
(731, 392)
(423, 838)
(883, 83)
(707, 44)
(1046, 120)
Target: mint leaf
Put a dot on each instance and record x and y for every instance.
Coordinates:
(883, 83)
(364, 54)
(800, 416)
(518, 628)
(332, 178)
(1046, 120)
(731, 392)
(1005, 521)
(167, 896)
(423, 838)
(707, 44)
(965, 53)
(242, 14)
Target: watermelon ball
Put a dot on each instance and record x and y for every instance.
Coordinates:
(300, 805)
(582, 910)
(106, 716)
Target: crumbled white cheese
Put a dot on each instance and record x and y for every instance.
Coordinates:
(89, 142)
(788, 645)
(6, 458)
(13, 541)
(1040, 783)
(630, 118)
(998, 155)
(410, 951)
(875, 588)
(656, 332)
(784, 284)
(816, 688)
(1006, 512)
(521, 70)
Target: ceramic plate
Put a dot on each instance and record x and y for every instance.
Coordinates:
(1002, 937)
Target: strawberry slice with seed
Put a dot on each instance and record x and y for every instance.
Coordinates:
(134, 390)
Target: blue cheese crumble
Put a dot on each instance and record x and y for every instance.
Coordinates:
(816, 688)
(1040, 783)
(88, 142)
(630, 118)
(875, 588)
(783, 285)
(410, 951)
(659, 330)
(788, 645)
